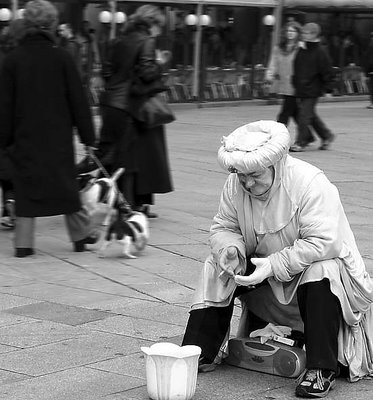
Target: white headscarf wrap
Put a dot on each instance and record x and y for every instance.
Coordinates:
(254, 147)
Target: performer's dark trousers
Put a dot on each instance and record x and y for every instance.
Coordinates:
(319, 308)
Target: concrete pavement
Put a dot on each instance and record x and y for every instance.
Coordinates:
(71, 324)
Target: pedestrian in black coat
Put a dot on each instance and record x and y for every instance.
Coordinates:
(312, 77)
(142, 152)
(41, 101)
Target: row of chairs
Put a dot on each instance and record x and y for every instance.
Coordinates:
(218, 84)
(234, 84)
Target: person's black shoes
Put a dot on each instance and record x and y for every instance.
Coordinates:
(315, 383)
(325, 145)
(24, 252)
(145, 209)
(79, 245)
(206, 365)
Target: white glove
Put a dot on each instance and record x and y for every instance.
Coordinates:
(262, 271)
(270, 331)
(229, 261)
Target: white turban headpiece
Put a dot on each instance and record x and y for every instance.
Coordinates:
(254, 147)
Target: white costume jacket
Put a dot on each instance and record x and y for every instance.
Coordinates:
(303, 230)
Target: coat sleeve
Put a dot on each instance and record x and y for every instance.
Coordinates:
(225, 230)
(148, 69)
(78, 102)
(7, 99)
(318, 220)
(325, 70)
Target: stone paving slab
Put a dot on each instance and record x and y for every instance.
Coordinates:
(11, 377)
(80, 351)
(137, 328)
(6, 349)
(35, 333)
(9, 319)
(63, 314)
(157, 312)
(66, 295)
(8, 300)
(9, 279)
(132, 365)
(78, 384)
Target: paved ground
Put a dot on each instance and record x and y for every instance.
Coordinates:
(71, 325)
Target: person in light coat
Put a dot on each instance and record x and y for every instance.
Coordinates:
(280, 73)
(281, 240)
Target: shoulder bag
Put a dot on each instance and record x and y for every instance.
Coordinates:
(154, 111)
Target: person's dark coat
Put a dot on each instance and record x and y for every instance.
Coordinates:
(41, 100)
(132, 52)
(368, 62)
(153, 171)
(313, 74)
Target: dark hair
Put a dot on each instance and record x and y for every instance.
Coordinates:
(283, 38)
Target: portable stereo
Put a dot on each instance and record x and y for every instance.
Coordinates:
(271, 357)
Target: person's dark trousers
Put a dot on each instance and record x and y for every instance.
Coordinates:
(321, 313)
(7, 194)
(207, 327)
(288, 110)
(370, 87)
(307, 117)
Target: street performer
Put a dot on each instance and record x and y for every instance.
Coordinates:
(281, 234)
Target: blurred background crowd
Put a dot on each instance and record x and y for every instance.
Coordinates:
(234, 46)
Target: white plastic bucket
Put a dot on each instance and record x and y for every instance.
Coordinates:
(171, 371)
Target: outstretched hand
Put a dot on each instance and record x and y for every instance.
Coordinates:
(229, 260)
(262, 271)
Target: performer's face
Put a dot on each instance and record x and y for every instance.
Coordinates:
(257, 182)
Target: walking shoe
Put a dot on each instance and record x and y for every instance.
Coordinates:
(296, 148)
(79, 245)
(315, 383)
(9, 219)
(145, 209)
(22, 252)
(8, 222)
(327, 142)
(206, 365)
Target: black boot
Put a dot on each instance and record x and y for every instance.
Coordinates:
(79, 245)
(24, 252)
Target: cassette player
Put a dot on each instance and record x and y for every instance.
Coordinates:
(272, 357)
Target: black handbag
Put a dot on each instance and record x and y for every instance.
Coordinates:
(154, 111)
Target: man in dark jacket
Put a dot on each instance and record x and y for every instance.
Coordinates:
(312, 77)
(69, 42)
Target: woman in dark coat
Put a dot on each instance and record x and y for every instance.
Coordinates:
(153, 171)
(143, 153)
(41, 100)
